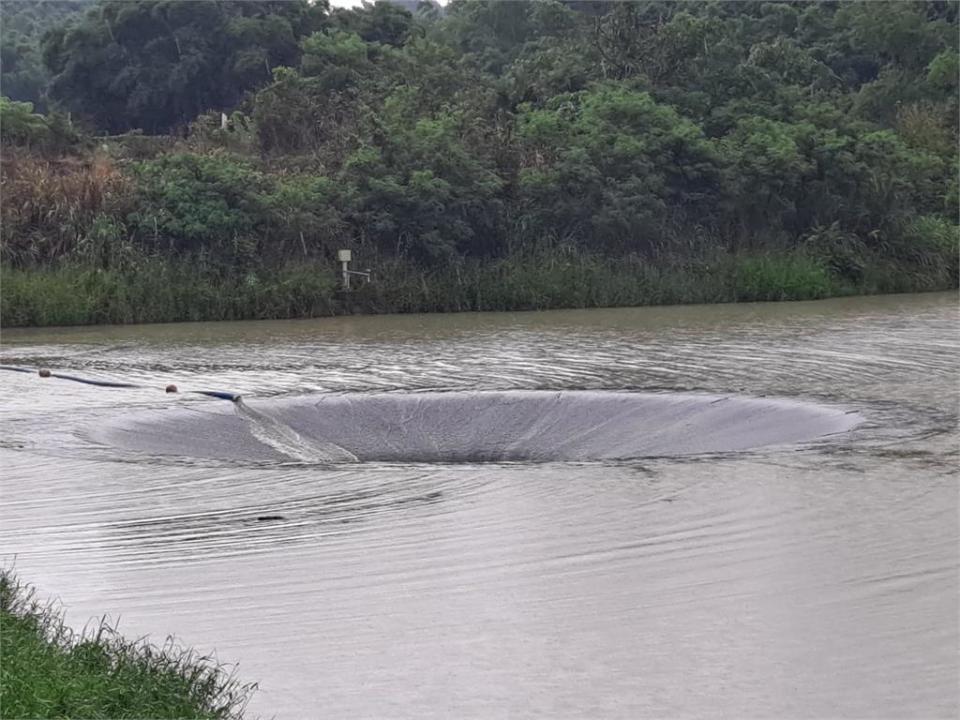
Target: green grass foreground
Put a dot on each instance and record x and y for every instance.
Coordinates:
(164, 290)
(48, 671)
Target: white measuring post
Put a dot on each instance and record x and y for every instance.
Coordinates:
(345, 256)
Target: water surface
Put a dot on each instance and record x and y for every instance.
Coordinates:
(811, 576)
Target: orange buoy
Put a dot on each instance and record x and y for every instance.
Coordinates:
(171, 388)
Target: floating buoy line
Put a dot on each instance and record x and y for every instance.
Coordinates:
(171, 388)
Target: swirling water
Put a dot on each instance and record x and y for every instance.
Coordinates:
(805, 579)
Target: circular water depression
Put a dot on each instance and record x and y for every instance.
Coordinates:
(471, 427)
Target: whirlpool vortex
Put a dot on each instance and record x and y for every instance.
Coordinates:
(473, 427)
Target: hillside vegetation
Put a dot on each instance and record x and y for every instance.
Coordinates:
(485, 155)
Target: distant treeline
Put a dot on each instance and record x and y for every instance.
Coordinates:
(665, 135)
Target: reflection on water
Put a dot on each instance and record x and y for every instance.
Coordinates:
(817, 580)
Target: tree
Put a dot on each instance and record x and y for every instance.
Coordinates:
(19, 124)
(193, 203)
(769, 170)
(613, 168)
(379, 22)
(157, 64)
(421, 192)
(22, 26)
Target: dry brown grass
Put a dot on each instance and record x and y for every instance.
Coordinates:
(48, 206)
(925, 126)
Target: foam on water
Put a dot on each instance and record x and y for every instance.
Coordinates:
(273, 433)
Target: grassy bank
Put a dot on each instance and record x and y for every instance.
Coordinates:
(170, 291)
(47, 671)
(160, 291)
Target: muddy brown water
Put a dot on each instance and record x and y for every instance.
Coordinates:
(723, 511)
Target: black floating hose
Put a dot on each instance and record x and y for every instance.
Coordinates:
(99, 383)
(232, 397)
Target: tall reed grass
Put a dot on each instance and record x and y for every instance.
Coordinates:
(167, 290)
(158, 290)
(51, 209)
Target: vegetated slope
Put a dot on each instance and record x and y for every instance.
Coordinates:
(492, 155)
